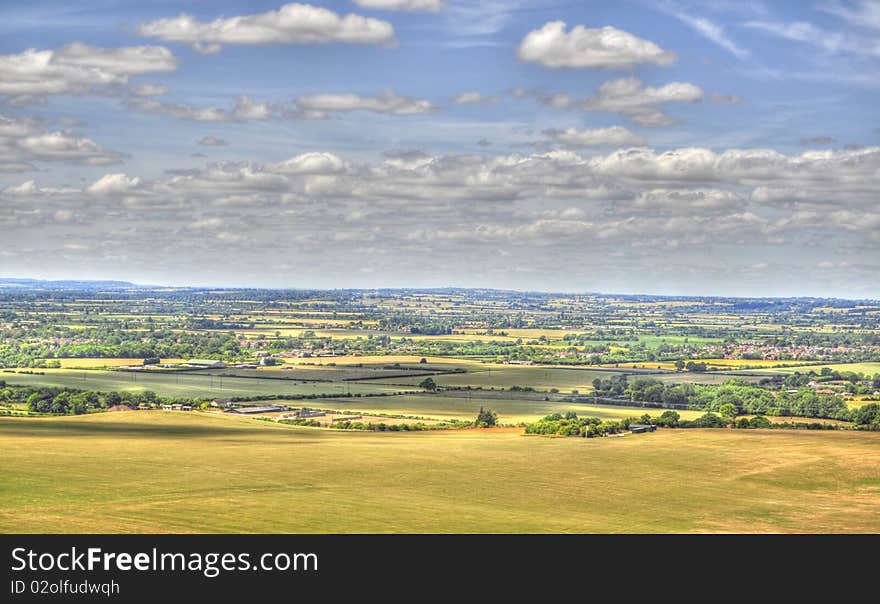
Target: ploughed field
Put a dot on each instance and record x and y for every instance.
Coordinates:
(197, 472)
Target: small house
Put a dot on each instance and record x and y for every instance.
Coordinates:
(205, 364)
(640, 428)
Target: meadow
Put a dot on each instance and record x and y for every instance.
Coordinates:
(190, 383)
(864, 368)
(193, 472)
(461, 406)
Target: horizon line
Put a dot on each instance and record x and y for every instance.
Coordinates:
(443, 287)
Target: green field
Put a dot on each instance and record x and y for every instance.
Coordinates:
(504, 376)
(865, 368)
(179, 472)
(544, 378)
(459, 406)
(189, 383)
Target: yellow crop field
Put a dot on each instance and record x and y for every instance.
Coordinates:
(182, 472)
(95, 362)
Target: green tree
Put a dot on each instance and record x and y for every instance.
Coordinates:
(428, 384)
(728, 411)
(486, 418)
(669, 418)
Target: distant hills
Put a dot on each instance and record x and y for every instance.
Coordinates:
(41, 284)
(744, 303)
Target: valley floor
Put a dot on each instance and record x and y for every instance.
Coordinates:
(193, 472)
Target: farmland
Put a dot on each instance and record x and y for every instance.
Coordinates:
(365, 411)
(90, 476)
(190, 384)
(460, 405)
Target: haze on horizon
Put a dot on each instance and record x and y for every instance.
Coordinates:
(671, 148)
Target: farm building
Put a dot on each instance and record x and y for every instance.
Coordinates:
(205, 364)
(309, 413)
(255, 410)
(640, 428)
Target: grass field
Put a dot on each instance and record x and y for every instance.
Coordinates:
(188, 384)
(509, 410)
(505, 376)
(719, 363)
(866, 368)
(190, 472)
(96, 362)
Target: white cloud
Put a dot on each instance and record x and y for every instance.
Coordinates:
(860, 13)
(388, 103)
(431, 6)
(180, 110)
(247, 109)
(603, 48)
(629, 97)
(474, 98)
(421, 211)
(290, 24)
(725, 99)
(148, 90)
(829, 41)
(23, 141)
(210, 141)
(708, 29)
(309, 163)
(112, 184)
(69, 122)
(614, 136)
(78, 69)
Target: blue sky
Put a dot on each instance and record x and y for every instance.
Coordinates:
(688, 147)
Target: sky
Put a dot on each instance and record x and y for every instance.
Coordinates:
(718, 147)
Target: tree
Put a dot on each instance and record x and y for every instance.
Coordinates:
(428, 384)
(679, 365)
(759, 421)
(669, 418)
(423, 360)
(728, 411)
(486, 418)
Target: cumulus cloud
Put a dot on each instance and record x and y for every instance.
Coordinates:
(111, 184)
(210, 141)
(309, 163)
(422, 211)
(602, 48)
(248, 109)
(23, 141)
(290, 24)
(614, 136)
(629, 97)
(78, 69)
(474, 98)
(313, 107)
(389, 103)
(431, 6)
